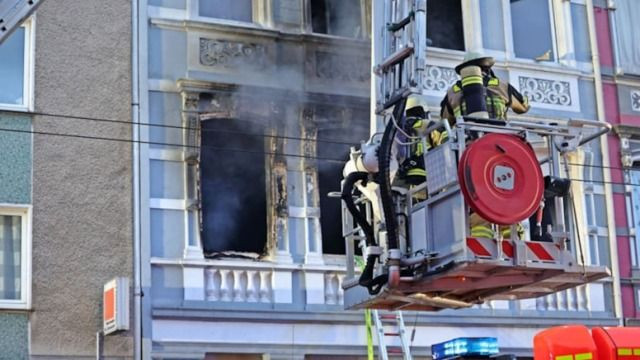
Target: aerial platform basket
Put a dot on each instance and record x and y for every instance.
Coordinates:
(442, 265)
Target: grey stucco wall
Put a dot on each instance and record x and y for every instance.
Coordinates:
(82, 231)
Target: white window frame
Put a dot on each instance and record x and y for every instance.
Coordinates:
(24, 211)
(561, 34)
(634, 240)
(591, 189)
(29, 56)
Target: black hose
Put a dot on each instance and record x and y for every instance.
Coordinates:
(384, 176)
(373, 285)
(347, 197)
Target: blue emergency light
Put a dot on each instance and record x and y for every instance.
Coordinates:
(467, 346)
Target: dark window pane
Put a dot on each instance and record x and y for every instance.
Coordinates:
(240, 10)
(233, 188)
(329, 177)
(444, 24)
(336, 17)
(319, 16)
(531, 25)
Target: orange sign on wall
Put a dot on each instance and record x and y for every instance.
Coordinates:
(115, 306)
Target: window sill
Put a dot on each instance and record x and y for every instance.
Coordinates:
(14, 306)
(15, 108)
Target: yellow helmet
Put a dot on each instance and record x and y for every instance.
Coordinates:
(475, 58)
(414, 101)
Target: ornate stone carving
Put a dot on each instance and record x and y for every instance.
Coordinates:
(546, 91)
(225, 53)
(438, 79)
(190, 101)
(635, 100)
(341, 67)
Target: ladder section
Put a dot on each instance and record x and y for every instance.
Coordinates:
(13, 13)
(404, 51)
(390, 325)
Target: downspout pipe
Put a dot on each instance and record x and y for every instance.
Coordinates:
(135, 164)
(613, 245)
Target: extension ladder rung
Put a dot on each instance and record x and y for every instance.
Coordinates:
(394, 350)
(395, 58)
(392, 334)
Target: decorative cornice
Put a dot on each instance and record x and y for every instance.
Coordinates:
(438, 79)
(354, 68)
(224, 53)
(635, 100)
(546, 91)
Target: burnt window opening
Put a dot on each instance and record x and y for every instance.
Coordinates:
(444, 24)
(330, 176)
(234, 199)
(337, 17)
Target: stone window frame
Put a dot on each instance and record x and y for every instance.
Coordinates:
(25, 213)
(29, 60)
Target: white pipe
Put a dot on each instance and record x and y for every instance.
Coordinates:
(135, 129)
(613, 245)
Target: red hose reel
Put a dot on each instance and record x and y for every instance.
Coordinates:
(500, 178)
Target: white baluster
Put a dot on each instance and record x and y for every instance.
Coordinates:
(335, 284)
(266, 288)
(573, 299)
(541, 303)
(226, 287)
(585, 304)
(340, 290)
(562, 301)
(212, 289)
(329, 296)
(240, 286)
(253, 286)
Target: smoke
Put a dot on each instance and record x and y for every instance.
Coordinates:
(234, 183)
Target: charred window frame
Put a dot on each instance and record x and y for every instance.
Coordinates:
(227, 177)
(345, 18)
(445, 24)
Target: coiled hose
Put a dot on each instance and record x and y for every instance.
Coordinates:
(373, 285)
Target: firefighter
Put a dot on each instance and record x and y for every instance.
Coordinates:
(480, 93)
(417, 120)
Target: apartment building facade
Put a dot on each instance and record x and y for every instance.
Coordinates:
(246, 106)
(619, 56)
(65, 202)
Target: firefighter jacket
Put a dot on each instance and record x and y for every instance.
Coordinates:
(499, 97)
